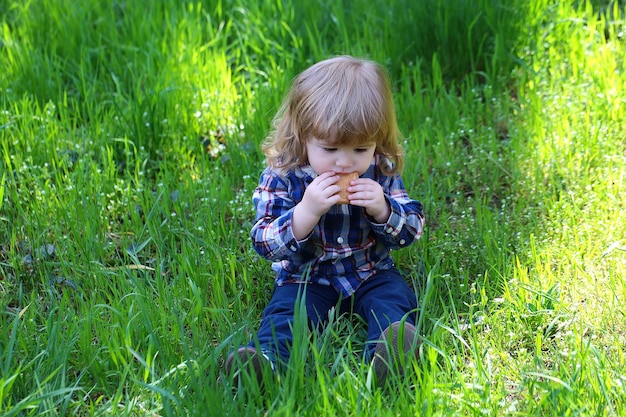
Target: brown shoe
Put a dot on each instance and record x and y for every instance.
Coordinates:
(398, 346)
(246, 359)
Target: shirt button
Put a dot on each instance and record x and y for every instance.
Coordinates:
(340, 240)
(389, 229)
(293, 248)
(402, 241)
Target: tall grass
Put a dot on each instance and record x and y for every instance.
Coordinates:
(130, 137)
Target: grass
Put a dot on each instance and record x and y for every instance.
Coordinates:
(130, 140)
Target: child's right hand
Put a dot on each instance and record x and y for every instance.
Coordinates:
(321, 194)
(318, 198)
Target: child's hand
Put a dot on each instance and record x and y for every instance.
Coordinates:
(321, 194)
(367, 193)
(318, 198)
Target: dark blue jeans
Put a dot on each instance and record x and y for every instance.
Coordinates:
(382, 299)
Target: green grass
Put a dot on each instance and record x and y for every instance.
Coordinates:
(130, 135)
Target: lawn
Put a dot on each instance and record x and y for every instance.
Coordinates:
(130, 139)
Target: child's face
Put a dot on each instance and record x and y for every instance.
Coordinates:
(325, 156)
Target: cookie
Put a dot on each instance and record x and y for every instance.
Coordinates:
(344, 183)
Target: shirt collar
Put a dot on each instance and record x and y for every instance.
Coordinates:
(305, 171)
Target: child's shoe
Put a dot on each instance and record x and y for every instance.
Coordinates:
(398, 345)
(246, 359)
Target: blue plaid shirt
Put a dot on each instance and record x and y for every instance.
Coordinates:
(346, 247)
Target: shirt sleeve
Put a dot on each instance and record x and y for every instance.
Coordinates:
(272, 234)
(406, 221)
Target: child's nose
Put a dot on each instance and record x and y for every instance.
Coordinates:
(343, 160)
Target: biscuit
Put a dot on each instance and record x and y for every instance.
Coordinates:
(344, 183)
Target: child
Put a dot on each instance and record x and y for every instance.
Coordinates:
(337, 118)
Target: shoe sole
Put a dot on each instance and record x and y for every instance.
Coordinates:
(387, 353)
(247, 360)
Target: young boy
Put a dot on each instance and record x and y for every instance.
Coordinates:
(338, 118)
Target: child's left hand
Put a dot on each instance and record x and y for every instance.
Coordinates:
(368, 194)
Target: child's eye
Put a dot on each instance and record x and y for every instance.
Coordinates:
(361, 150)
(330, 149)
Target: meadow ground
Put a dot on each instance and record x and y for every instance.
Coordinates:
(130, 135)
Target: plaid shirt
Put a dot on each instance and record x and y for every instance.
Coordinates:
(346, 247)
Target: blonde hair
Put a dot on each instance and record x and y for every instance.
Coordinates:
(342, 100)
